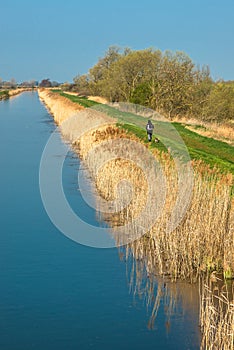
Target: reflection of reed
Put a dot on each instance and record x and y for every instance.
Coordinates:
(155, 291)
(217, 313)
(215, 299)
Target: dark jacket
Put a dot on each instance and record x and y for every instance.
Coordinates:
(149, 127)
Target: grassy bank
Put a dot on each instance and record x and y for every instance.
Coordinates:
(213, 152)
(202, 243)
(82, 101)
(205, 236)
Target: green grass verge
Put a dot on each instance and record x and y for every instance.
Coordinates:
(141, 134)
(178, 138)
(213, 152)
(175, 136)
(83, 101)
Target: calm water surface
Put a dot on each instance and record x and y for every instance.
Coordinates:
(54, 293)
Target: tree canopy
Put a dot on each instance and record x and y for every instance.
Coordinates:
(168, 82)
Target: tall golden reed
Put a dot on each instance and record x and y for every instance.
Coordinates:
(202, 243)
(217, 313)
(204, 239)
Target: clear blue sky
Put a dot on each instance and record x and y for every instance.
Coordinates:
(58, 39)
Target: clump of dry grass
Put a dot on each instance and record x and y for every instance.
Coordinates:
(95, 136)
(98, 99)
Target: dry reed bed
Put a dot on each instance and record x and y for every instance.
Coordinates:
(60, 107)
(15, 92)
(204, 239)
(217, 314)
(203, 242)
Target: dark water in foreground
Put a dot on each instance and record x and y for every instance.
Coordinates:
(54, 293)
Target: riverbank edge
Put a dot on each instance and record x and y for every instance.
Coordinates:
(137, 249)
(63, 110)
(13, 92)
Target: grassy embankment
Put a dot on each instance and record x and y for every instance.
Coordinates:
(207, 228)
(213, 152)
(203, 242)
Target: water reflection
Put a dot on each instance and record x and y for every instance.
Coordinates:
(155, 291)
(216, 312)
(56, 294)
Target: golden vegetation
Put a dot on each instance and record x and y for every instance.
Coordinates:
(98, 99)
(201, 244)
(14, 92)
(217, 314)
(5, 93)
(204, 239)
(60, 107)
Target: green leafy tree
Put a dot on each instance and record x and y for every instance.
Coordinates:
(97, 74)
(220, 104)
(131, 69)
(82, 84)
(167, 82)
(174, 84)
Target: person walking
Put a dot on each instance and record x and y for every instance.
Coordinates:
(149, 129)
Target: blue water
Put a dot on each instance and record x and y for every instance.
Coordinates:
(54, 293)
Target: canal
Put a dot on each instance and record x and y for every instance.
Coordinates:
(56, 294)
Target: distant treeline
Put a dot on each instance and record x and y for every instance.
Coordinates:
(12, 84)
(167, 82)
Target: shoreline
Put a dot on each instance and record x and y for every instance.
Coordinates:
(87, 128)
(204, 239)
(6, 94)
